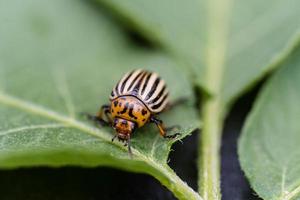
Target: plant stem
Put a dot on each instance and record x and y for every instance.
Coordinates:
(212, 108)
(209, 160)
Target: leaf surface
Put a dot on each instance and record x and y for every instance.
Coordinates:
(269, 149)
(60, 58)
(248, 37)
(228, 44)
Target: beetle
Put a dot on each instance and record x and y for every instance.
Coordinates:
(137, 99)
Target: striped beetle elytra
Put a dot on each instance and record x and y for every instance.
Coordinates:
(137, 99)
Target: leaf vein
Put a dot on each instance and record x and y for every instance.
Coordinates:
(62, 86)
(153, 146)
(292, 194)
(283, 177)
(31, 127)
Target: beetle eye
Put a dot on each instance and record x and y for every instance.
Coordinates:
(124, 122)
(115, 122)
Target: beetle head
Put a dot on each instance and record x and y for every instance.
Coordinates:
(123, 128)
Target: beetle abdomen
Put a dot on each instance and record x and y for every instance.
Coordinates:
(146, 86)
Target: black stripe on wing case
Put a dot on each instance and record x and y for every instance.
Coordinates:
(135, 79)
(156, 106)
(116, 89)
(138, 85)
(158, 96)
(124, 82)
(146, 83)
(153, 88)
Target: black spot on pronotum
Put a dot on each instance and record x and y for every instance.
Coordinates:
(143, 120)
(144, 112)
(125, 108)
(116, 103)
(130, 111)
(120, 104)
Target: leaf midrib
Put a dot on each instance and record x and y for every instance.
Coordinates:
(285, 194)
(292, 194)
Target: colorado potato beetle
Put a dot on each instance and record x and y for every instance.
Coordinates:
(137, 99)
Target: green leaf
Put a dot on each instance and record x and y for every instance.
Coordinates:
(247, 37)
(269, 148)
(228, 44)
(60, 58)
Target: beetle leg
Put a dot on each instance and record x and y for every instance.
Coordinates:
(161, 128)
(112, 139)
(104, 110)
(96, 119)
(128, 143)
